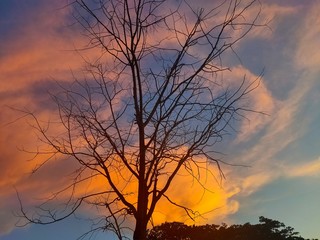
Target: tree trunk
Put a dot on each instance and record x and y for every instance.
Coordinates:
(140, 232)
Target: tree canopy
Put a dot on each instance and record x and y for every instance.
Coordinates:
(266, 229)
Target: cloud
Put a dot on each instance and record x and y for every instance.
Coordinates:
(278, 133)
(308, 40)
(38, 53)
(211, 204)
(7, 222)
(260, 100)
(254, 182)
(37, 59)
(35, 53)
(36, 50)
(7, 206)
(306, 169)
(285, 125)
(271, 14)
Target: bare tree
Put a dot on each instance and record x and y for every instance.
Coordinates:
(154, 103)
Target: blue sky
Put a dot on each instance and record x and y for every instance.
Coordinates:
(282, 149)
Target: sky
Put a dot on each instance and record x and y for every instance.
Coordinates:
(281, 150)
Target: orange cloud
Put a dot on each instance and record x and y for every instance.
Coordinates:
(34, 52)
(210, 205)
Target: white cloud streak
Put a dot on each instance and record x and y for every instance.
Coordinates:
(283, 127)
(307, 169)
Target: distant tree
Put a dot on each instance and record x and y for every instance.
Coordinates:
(154, 103)
(275, 230)
(170, 231)
(266, 229)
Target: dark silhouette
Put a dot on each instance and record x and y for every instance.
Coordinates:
(152, 104)
(266, 229)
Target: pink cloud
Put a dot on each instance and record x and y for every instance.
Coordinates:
(308, 38)
(259, 100)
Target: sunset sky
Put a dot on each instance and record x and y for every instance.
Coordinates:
(281, 150)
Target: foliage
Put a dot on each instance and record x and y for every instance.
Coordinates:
(266, 229)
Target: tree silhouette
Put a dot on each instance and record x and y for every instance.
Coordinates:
(153, 103)
(266, 229)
